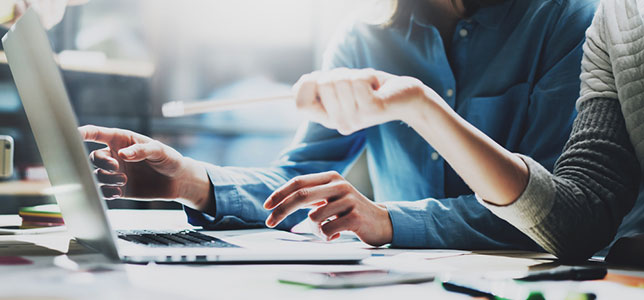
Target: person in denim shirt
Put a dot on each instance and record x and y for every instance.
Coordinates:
(511, 69)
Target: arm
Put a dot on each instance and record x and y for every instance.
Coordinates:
(376, 98)
(239, 193)
(576, 211)
(596, 178)
(135, 166)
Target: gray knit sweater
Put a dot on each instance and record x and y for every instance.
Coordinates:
(576, 211)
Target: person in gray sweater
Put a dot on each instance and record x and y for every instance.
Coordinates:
(576, 211)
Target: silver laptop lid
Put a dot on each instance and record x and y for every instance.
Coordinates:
(54, 125)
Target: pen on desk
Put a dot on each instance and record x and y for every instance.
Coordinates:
(566, 273)
(185, 108)
(467, 290)
(491, 290)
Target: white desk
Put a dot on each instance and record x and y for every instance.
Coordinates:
(56, 276)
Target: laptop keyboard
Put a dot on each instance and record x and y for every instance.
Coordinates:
(185, 238)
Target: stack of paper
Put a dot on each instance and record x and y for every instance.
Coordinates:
(41, 216)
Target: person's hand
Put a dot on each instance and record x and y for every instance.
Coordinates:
(138, 167)
(349, 100)
(51, 12)
(338, 207)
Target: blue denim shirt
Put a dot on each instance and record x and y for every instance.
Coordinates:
(512, 71)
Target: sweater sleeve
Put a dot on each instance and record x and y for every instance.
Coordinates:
(576, 211)
(597, 79)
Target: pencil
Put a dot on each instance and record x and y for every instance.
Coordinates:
(186, 108)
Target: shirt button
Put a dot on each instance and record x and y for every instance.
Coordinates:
(450, 92)
(463, 32)
(435, 156)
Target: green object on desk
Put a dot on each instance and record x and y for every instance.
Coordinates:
(536, 296)
(581, 296)
(48, 210)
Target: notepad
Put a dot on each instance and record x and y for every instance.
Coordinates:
(41, 216)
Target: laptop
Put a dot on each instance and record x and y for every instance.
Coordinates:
(54, 125)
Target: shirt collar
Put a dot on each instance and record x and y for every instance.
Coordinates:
(493, 16)
(489, 16)
(418, 18)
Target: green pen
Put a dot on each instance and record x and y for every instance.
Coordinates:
(491, 289)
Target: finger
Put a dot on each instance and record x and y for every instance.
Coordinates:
(303, 198)
(152, 151)
(345, 94)
(97, 134)
(335, 208)
(110, 178)
(379, 79)
(329, 99)
(334, 227)
(297, 183)
(111, 192)
(365, 82)
(103, 159)
(306, 98)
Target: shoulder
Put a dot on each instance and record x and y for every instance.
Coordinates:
(353, 38)
(577, 13)
(571, 12)
(569, 8)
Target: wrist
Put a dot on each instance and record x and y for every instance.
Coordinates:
(194, 186)
(424, 107)
(387, 231)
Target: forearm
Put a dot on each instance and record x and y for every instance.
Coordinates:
(237, 196)
(577, 211)
(491, 171)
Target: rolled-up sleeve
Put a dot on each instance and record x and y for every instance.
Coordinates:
(534, 204)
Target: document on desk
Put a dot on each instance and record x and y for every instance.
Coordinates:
(445, 261)
(279, 239)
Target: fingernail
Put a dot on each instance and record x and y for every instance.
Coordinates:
(127, 152)
(270, 222)
(333, 237)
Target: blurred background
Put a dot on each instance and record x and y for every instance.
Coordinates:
(122, 59)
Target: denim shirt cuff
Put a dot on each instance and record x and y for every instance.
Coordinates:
(409, 230)
(227, 200)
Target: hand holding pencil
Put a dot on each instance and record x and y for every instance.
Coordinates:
(344, 99)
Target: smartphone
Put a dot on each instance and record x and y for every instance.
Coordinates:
(353, 279)
(6, 156)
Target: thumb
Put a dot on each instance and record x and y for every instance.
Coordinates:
(379, 79)
(145, 151)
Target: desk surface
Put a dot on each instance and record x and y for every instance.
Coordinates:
(83, 274)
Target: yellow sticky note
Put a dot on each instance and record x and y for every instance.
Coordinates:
(6, 10)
